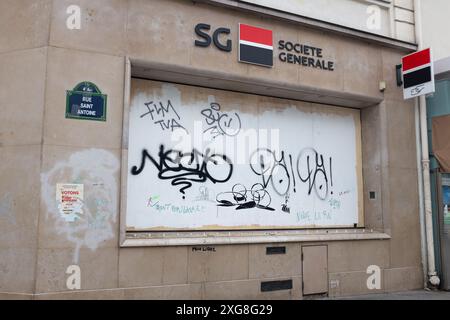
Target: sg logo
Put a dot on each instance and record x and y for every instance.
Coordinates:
(200, 30)
(417, 90)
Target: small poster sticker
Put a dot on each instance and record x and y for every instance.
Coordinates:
(69, 197)
(86, 101)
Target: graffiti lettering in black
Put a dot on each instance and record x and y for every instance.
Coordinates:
(243, 198)
(182, 169)
(163, 114)
(316, 174)
(264, 163)
(220, 123)
(279, 173)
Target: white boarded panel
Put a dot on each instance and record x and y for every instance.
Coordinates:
(204, 159)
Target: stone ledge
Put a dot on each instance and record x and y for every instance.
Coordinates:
(144, 239)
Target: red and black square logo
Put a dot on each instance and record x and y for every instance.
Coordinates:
(255, 45)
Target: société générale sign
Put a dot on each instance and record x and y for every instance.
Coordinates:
(256, 47)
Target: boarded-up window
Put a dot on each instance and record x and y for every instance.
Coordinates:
(204, 159)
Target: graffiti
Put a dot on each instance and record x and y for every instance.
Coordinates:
(316, 175)
(303, 216)
(335, 204)
(322, 215)
(204, 194)
(221, 123)
(182, 169)
(170, 208)
(279, 173)
(152, 201)
(264, 163)
(285, 206)
(313, 216)
(164, 115)
(242, 198)
(248, 162)
(187, 209)
(204, 249)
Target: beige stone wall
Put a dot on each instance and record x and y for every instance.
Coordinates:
(40, 59)
(404, 20)
(395, 18)
(23, 61)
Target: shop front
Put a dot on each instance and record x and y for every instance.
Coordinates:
(224, 153)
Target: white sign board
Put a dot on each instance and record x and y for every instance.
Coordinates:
(418, 74)
(204, 159)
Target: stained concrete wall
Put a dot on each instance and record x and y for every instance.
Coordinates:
(41, 59)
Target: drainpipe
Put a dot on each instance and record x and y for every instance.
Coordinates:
(423, 241)
(433, 279)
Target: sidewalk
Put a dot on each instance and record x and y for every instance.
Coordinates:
(408, 295)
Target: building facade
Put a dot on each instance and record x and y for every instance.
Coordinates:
(438, 110)
(297, 174)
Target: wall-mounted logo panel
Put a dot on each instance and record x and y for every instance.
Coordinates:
(255, 45)
(418, 74)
